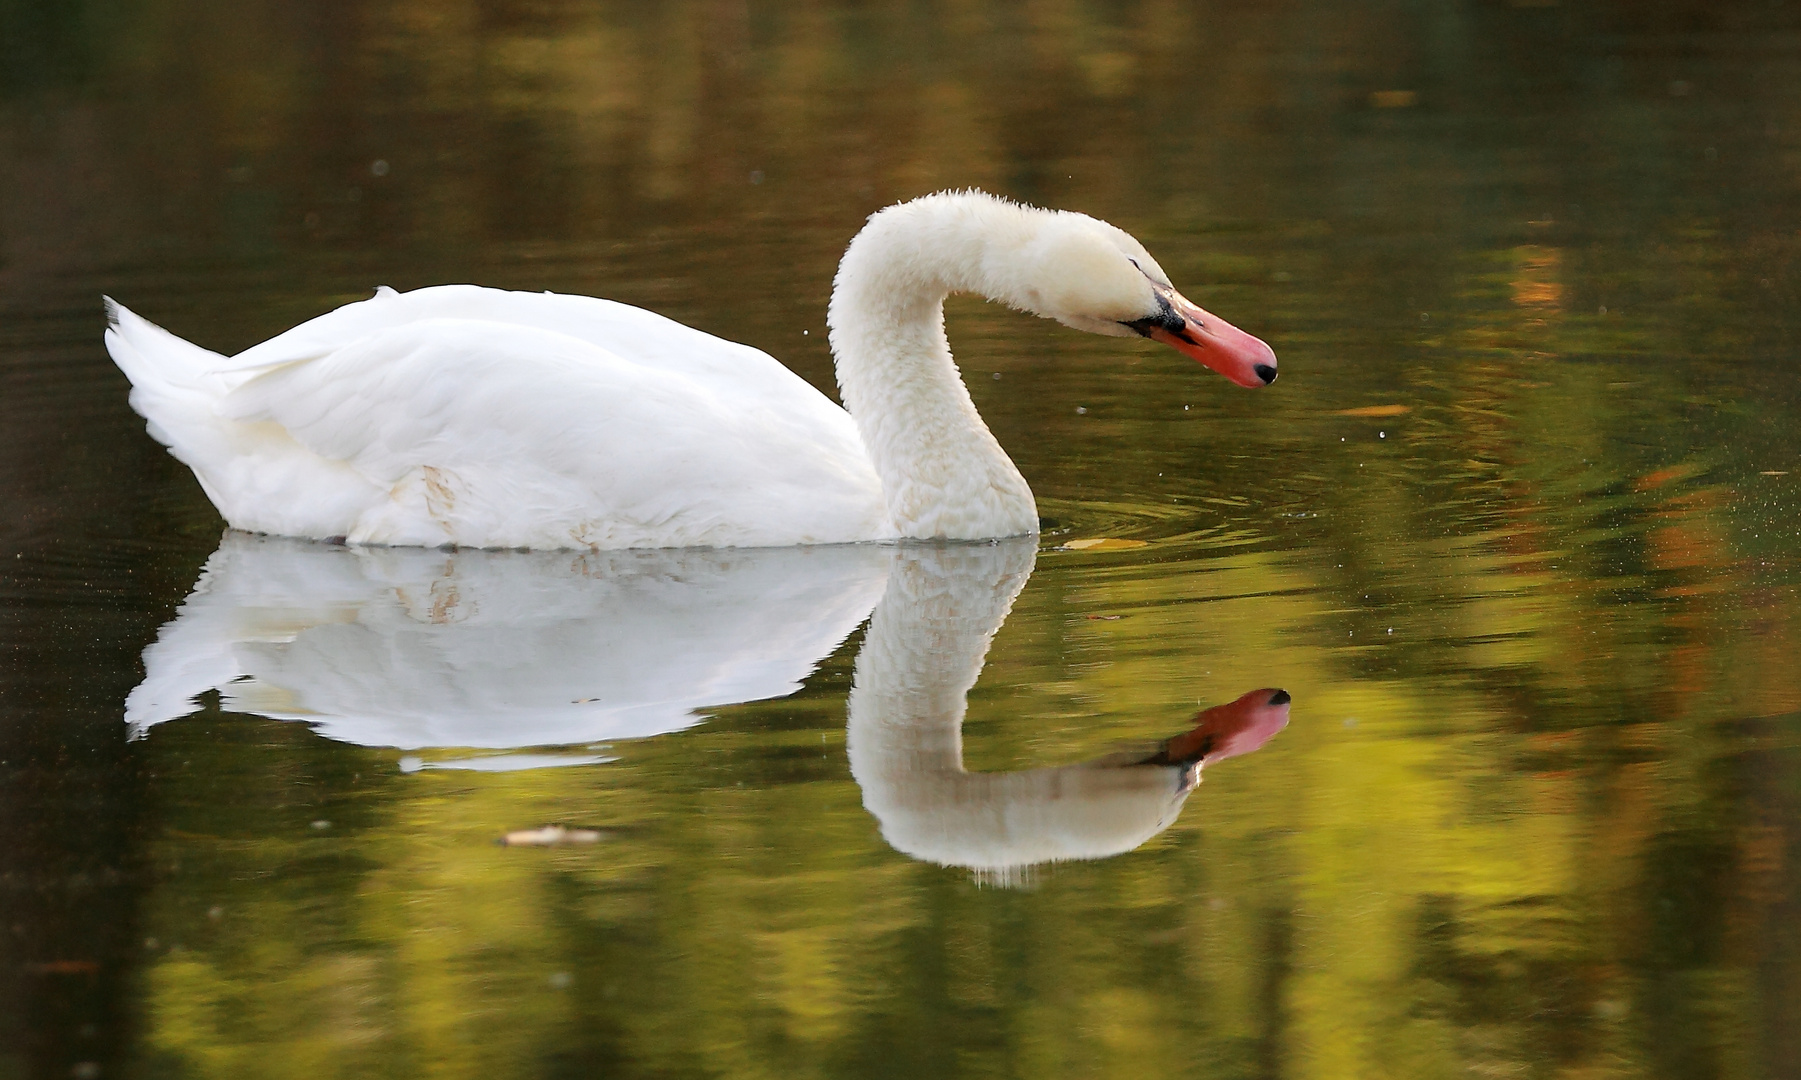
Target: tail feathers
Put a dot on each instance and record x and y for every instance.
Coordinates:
(174, 383)
(151, 356)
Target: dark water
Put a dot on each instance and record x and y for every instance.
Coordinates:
(1517, 530)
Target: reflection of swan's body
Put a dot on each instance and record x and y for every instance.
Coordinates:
(420, 648)
(923, 651)
(482, 418)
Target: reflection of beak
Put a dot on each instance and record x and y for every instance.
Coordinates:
(1229, 730)
(1188, 329)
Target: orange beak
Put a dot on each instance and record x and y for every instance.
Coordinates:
(1194, 332)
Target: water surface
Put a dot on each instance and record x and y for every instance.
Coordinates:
(1516, 531)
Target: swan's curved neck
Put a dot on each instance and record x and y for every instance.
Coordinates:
(943, 474)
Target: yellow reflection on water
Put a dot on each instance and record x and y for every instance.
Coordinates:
(1516, 530)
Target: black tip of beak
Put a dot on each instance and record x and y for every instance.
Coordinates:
(1266, 373)
(1280, 697)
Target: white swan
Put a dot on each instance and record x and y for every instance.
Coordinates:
(465, 416)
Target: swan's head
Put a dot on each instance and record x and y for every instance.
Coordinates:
(1092, 276)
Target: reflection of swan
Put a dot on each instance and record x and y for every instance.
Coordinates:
(924, 649)
(413, 648)
(458, 415)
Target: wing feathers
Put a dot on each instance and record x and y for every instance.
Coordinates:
(446, 417)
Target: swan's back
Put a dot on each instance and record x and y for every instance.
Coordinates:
(632, 334)
(478, 417)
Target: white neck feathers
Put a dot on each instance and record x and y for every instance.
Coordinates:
(943, 474)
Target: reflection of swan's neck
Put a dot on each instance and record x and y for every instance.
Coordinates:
(943, 474)
(925, 647)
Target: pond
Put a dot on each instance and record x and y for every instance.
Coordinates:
(1433, 712)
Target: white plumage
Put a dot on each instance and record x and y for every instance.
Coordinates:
(484, 418)
(465, 416)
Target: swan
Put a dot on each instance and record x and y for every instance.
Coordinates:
(470, 417)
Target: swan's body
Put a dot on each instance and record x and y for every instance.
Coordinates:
(459, 415)
(470, 416)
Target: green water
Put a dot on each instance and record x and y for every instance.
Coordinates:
(1517, 530)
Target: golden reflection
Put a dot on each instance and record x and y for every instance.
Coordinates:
(1537, 284)
(1436, 860)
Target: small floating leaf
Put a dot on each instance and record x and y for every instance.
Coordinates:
(1377, 410)
(1105, 543)
(549, 836)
